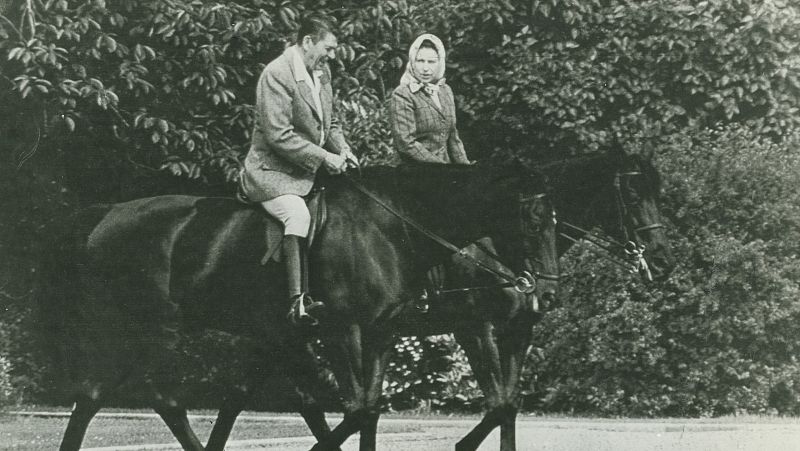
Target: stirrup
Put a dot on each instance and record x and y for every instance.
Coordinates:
(301, 309)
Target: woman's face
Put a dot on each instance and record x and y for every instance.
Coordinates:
(425, 64)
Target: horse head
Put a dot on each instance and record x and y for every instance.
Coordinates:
(538, 223)
(527, 235)
(636, 186)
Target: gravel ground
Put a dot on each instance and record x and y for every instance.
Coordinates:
(140, 431)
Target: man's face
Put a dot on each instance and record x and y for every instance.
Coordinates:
(316, 55)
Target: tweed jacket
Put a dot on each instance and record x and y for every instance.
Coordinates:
(284, 154)
(422, 131)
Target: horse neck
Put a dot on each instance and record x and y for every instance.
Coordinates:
(584, 193)
(455, 203)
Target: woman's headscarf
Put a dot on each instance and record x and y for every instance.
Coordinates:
(410, 77)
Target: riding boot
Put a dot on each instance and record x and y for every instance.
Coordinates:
(296, 266)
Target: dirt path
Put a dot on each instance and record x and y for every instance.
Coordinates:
(533, 434)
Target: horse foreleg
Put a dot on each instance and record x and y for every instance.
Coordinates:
(483, 354)
(508, 431)
(359, 366)
(369, 432)
(314, 415)
(311, 383)
(503, 416)
(82, 413)
(375, 362)
(478, 434)
(345, 355)
(226, 418)
(350, 425)
(513, 346)
(178, 423)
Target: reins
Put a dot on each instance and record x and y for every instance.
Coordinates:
(525, 283)
(630, 255)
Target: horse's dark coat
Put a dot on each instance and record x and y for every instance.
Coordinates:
(143, 270)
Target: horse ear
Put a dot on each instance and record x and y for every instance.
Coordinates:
(616, 149)
(649, 151)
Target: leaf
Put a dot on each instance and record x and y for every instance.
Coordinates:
(111, 44)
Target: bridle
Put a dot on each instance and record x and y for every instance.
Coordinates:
(525, 282)
(631, 254)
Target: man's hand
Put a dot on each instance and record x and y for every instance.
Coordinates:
(350, 159)
(334, 164)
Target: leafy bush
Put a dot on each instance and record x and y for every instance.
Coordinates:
(720, 336)
(6, 388)
(540, 78)
(430, 373)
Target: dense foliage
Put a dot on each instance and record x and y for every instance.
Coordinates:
(430, 373)
(721, 336)
(101, 99)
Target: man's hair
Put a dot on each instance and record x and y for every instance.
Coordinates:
(315, 26)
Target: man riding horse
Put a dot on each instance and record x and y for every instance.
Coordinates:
(295, 134)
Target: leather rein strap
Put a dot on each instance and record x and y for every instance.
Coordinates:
(512, 281)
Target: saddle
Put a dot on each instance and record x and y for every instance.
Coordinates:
(273, 232)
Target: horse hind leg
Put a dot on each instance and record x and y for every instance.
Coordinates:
(226, 417)
(177, 421)
(83, 411)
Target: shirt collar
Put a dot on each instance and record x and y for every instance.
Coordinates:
(300, 71)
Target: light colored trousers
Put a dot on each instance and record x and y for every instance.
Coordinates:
(292, 211)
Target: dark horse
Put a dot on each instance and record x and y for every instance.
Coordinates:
(618, 193)
(126, 278)
(611, 190)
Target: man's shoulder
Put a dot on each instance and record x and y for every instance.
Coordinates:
(279, 67)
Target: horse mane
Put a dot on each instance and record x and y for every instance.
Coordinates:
(590, 164)
(435, 173)
(584, 162)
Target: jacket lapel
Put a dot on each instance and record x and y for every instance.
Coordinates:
(305, 93)
(447, 103)
(326, 99)
(302, 84)
(430, 101)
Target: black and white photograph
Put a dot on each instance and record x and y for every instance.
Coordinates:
(417, 225)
